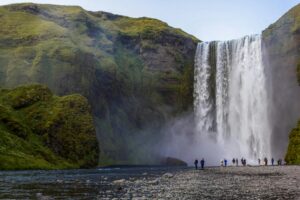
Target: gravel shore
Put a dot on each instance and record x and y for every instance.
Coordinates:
(271, 182)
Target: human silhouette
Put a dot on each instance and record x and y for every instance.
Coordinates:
(225, 162)
(259, 161)
(272, 161)
(233, 161)
(266, 161)
(196, 164)
(202, 163)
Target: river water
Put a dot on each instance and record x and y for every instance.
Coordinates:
(69, 184)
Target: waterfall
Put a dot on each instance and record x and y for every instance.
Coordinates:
(230, 98)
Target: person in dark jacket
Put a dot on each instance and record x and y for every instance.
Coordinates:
(272, 161)
(266, 161)
(202, 163)
(196, 164)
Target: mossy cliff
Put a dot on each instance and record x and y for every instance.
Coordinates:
(39, 130)
(293, 152)
(282, 52)
(135, 72)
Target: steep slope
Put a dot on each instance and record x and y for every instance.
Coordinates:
(293, 152)
(136, 73)
(281, 44)
(41, 131)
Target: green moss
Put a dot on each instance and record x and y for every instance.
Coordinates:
(12, 123)
(16, 153)
(27, 95)
(298, 72)
(42, 131)
(129, 71)
(134, 72)
(293, 152)
(186, 88)
(147, 28)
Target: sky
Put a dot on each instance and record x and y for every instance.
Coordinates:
(206, 19)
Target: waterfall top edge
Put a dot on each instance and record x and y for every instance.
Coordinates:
(231, 40)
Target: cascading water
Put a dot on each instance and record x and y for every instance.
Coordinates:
(230, 98)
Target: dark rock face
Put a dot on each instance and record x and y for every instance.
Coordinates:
(282, 52)
(169, 161)
(135, 73)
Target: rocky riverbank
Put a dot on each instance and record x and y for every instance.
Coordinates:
(278, 182)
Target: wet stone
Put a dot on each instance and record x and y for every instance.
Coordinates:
(278, 182)
(219, 183)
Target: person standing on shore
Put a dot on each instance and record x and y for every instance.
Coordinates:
(272, 161)
(225, 162)
(196, 164)
(233, 162)
(259, 161)
(202, 163)
(266, 161)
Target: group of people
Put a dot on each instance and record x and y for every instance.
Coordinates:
(279, 161)
(201, 162)
(235, 161)
(224, 162)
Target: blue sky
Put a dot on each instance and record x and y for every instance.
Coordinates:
(206, 19)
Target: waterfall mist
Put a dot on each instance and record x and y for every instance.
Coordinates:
(181, 141)
(231, 101)
(231, 116)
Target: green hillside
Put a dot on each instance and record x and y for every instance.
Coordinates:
(41, 131)
(135, 72)
(293, 152)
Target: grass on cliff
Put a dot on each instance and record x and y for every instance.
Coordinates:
(41, 131)
(17, 153)
(293, 152)
(147, 28)
(75, 51)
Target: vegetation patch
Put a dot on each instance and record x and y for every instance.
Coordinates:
(41, 131)
(135, 73)
(293, 152)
